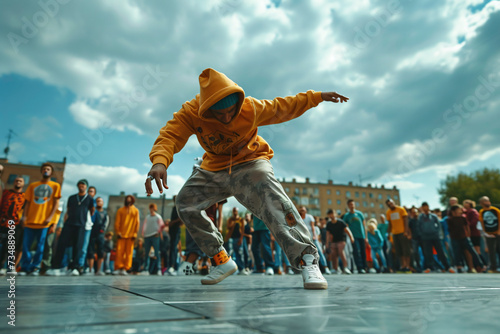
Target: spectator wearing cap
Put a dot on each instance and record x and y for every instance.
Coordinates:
(73, 232)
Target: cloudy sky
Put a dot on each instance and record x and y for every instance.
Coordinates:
(95, 81)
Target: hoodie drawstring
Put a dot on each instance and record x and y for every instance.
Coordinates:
(230, 162)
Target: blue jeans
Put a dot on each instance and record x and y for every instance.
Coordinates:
(175, 235)
(279, 255)
(83, 255)
(380, 253)
(359, 250)
(153, 241)
(235, 251)
(28, 263)
(322, 259)
(262, 237)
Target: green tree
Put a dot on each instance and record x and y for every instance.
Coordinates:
(485, 182)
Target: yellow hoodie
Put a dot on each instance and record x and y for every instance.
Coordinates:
(227, 144)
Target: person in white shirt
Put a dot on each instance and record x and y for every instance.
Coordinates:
(151, 232)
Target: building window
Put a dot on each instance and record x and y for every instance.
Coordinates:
(381, 206)
(356, 194)
(388, 196)
(373, 215)
(304, 200)
(316, 191)
(365, 214)
(365, 204)
(304, 191)
(348, 193)
(11, 178)
(287, 189)
(329, 202)
(296, 200)
(379, 196)
(338, 192)
(363, 194)
(338, 202)
(372, 205)
(370, 195)
(395, 196)
(328, 192)
(314, 201)
(296, 191)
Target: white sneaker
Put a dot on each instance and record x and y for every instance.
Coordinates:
(270, 271)
(53, 272)
(123, 272)
(159, 273)
(327, 271)
(144, 273)
(311, 274)
(117, 272)
(100, 273)
(171, 272)
(347, 271)
(243, 272)
(186, 269)
(289, 271)
(22, 273)
(372, 271)
(220, 272)
(75, 272)
(3, 272)
(35, 272)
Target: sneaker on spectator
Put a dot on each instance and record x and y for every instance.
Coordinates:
(171, 272)
(427, 271)
(75, 272)
(270, 271)
(144, 273)
(123, 272)
(3, 272)
(327, 271)
(311, 274)
(362, 271)
(186, 269)
(452, 271)
(347, 271)
(22, 273)
(372, 271)
(35, 272)
(289, 271)
(53, 272)
(107, 272)
(220, 272)
(100, 273)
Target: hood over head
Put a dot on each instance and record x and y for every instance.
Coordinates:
(214, 86)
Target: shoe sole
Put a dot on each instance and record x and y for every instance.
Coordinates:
(316, 286)
(220, 279)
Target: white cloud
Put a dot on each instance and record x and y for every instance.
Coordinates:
(41, 129)
(111, 180)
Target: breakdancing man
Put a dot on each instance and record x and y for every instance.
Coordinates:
(236, 163)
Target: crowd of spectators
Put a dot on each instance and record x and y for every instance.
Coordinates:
(404, 240)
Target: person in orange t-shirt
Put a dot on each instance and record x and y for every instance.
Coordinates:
(126, 229)
(42, 202)
(400, 230)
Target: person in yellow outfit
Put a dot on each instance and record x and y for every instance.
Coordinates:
(236, 163)
(126, 229)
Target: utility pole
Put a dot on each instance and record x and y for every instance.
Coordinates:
(7, 149)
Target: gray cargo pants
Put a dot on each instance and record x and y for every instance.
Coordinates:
(253, 184)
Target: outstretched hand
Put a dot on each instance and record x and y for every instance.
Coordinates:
(159, 173)
(333, 97)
